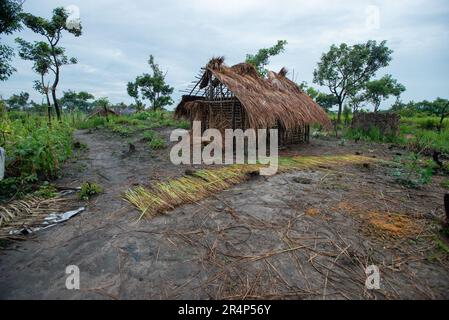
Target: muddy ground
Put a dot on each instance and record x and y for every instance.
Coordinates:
(279, 237)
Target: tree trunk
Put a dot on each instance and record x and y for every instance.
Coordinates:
(441, 123)
(340, 108)
(45, 88)
(55, 103)
(55, 84)
(48, 107)
(105, 108)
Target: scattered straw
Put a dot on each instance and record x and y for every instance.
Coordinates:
(398, 225)
(384, 223)
(27, 212)
(312, 212)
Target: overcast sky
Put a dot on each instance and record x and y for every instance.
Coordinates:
(118, 37)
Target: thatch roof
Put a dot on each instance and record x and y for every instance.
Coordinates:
(266, 101)
(100, 111)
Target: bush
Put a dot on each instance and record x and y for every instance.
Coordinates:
(88, 190)
(157, 143)
(154, 140)
(149, 135)
(445, 184)
(94, 122)
(412, 171)
(373, 134)
(46, 191)
(424, 140)
(34, 151)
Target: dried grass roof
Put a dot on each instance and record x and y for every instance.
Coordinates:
(100, 111)
(266, 101)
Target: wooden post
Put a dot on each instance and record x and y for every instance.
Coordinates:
(233, 115)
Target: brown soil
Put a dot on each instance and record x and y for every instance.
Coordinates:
(266, 238)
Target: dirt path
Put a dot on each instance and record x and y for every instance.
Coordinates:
(267, 238)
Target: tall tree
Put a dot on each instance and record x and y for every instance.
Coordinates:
(327, 101)
(261, 59)
(39, 53)
(82, 101)
(382, 89)
(151, 86)
(344, 69)
(439, 107)
(356, 99)
(52, 30)
(133, 91)
(18, 101)
(10, 17)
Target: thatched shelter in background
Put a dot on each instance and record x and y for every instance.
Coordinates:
(238, 97)
(102, 112)
(387, 123)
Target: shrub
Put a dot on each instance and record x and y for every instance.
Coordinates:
(373, 134)
(46, 191)
(445, 184)
(157, 144)
(120, 129)
(412, 171)
(88, 190)
(34, 151)
(149, 135)
(94, 122)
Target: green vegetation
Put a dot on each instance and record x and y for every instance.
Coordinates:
(260, 60)
(373, 134)
(48, 56)
(445, 184)
(154, 140)
(10, 17)
(46, 191)
(34, 151)
(419, 134)
(157, 143)
(412, 170)
(151, 87)
(89, 190)
(126, 125)
(346, 70)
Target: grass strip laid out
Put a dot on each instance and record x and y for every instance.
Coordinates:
(167, 195)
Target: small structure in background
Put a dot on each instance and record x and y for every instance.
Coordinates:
(127, 111)
(387, 123)
(238, 97)
(103, 112)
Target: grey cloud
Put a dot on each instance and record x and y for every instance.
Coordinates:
(118, 37)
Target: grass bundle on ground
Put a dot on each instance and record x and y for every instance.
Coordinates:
(27, 212)
(189, 189)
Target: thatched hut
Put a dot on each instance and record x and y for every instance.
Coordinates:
(238, 97)
(102, 112)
